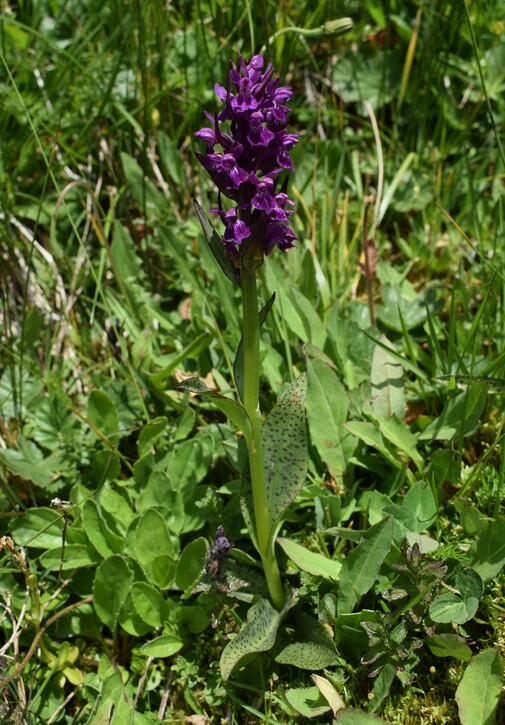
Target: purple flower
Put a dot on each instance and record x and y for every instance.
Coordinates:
(247, 148)
(236, 229)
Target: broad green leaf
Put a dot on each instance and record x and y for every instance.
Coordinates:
(402, 305)
(102, 414)
(113, 580)
(309, 646)
(361, 567)
(126, 261)
(164, 646)
(75, 556)
(469, 583)
(426, 544)
(397, 432)
(156, 492)
(480, 687)
(307, 701)
(195, 618)
(39, 527)
(310, 561)
(116, 507)
(449, 645)
(288, 312)
(471, 519)
(420, 502)
(284, 435)
(190, 462)
(235, 411)
(257, 635)
(151, 434)
(114, 706)
(106, 465)
(314, 329)
(443, 467)
(350, 635)
(386, 377)
(367, 74)
(190, 565)
(382, 684)
(487, 553)
(459, 417)
(369, 434)
(448, 607)
(161, 570)
(151, 539)
(130, 620)
(149, 603)
(327, 408)
(105, 541)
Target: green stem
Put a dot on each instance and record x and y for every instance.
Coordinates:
(255, 450)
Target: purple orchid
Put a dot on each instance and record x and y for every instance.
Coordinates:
(250, 155)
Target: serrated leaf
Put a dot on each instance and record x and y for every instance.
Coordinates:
(310, 561)
(361, 567)
(30, 464)
(479, 690)
(257, 635)
(113, 579)
(386, 378)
